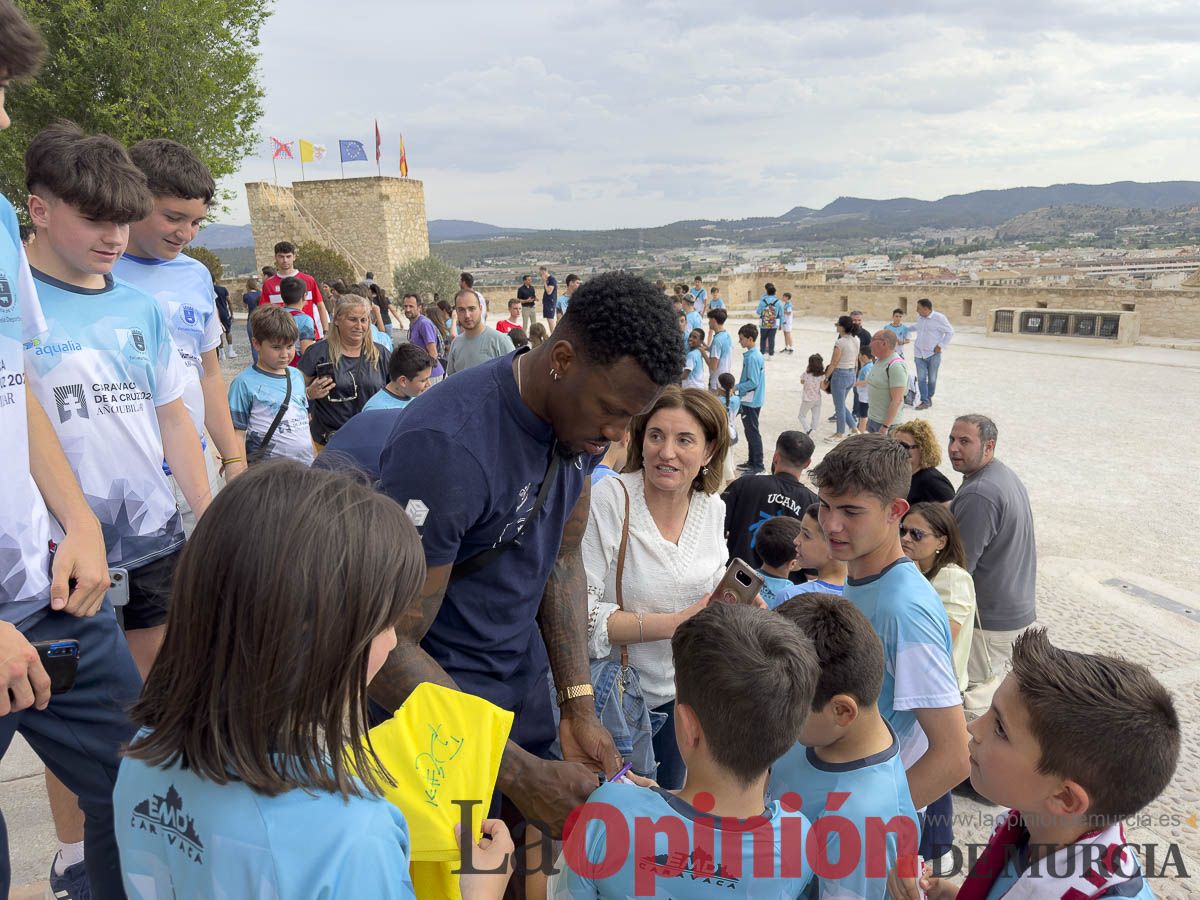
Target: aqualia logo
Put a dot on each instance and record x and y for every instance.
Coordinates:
(47, 348)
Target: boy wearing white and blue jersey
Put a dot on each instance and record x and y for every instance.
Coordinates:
(847, 748)
(720, 347)
(713, 837)
(154, 262)
(258, 392)
(695, 369)
(106, 369)
(409, 369)
(861, 485)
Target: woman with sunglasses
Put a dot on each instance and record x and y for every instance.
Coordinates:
(930, 538)
(928, 484)
(343, 370)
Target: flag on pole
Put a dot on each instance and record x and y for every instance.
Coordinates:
(352, 151)
(310, 152)
(378, 144)
(283, 149)
(403, 159)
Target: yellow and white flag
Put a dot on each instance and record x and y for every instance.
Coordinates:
(310, 152)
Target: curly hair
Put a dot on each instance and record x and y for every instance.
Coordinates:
(615, 315)
(922, 434)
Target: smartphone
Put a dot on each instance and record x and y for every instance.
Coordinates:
(60, 659)
(118, 588)
(739, 584)
(324, 370)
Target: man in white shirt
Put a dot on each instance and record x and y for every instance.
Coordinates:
(934, 333)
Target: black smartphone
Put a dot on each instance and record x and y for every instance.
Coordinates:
(324, 370)
(60, 659)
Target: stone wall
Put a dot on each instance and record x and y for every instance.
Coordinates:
(376, 223)
(1162, 314)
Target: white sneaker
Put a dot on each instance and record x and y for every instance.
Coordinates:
(231, 353)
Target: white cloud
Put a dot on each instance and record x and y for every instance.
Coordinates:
(616, 113)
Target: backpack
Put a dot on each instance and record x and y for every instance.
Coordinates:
(770, 314)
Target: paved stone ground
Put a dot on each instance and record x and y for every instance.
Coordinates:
(1105, 439)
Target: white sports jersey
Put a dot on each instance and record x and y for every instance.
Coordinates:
(183, 288)
(101, 366)
(24, 521)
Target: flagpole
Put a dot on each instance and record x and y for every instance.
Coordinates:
(274, 170)
(341, 162)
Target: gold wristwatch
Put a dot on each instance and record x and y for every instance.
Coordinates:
(573, 692)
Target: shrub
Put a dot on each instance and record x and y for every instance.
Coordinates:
(426, 277)
(325, 265)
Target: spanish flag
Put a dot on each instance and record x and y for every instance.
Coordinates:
(403, 159)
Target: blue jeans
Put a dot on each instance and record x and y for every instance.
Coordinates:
(79, 735)
(927, 372)
(666, 750)
(841, 382)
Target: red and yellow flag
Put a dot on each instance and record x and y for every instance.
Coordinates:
(403, 159)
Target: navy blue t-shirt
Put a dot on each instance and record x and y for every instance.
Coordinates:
(358, 443)
(476, 427)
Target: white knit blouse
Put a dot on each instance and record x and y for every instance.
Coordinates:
(659, 577)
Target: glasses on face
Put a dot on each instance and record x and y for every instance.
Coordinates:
(915, 533)
(909, 447)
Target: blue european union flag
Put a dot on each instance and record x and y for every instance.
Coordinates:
(353, 151)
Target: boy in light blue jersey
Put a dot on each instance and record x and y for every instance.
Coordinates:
(813, 553)
(54, 578)
(714, 299)
(106, 369)
(775, 544)
(899, 329)
(258, 392)
(847, 748)
(153, 261)
(292, 292)
(564, 299)
(862, 484)
(752, 388)
(720, 348)
(409, 369)
(695, 370)
(694, 321)
(713, 837)
(699, 296)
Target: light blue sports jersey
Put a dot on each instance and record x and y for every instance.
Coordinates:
(382, 338)
(699, 297)
(563, 301)
(182, 836)
(254, 400)
(183, 287)
(816, 586)
(752, 387)
(773, 587)
(697, 369)
(876, 792)
(25, 531)
(694, 321)
(721, 349)
(695, 867)
(909, 618)
(900, 331)
(385, 399)
(716, 303)
(103, 364)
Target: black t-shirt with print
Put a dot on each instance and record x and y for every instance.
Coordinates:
(356, 382)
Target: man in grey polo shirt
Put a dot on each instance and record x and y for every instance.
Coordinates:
(994, 516)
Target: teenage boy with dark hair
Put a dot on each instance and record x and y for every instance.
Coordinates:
(106, 367)
(751, 500)
(720, 348)
(285, 266)
(154, 262)
(409, 368)
(292, 291)
(257, 393)
(846, 747)
(776, 547)
(1073, 744)
(751, 389)
(53, 592)
(862, 484)
(729, 747)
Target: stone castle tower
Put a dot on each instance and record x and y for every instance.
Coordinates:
(376, 223)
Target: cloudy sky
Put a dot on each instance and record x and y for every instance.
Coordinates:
(605, 113)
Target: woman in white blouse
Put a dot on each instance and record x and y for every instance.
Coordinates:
(676, 552)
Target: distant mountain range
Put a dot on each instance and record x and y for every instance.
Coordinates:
(1013, 212)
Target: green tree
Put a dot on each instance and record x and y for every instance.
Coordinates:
(426, 277)
(324, 265)
(182, 69)
(211, 261)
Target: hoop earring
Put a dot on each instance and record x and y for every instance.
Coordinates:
(554, 374)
